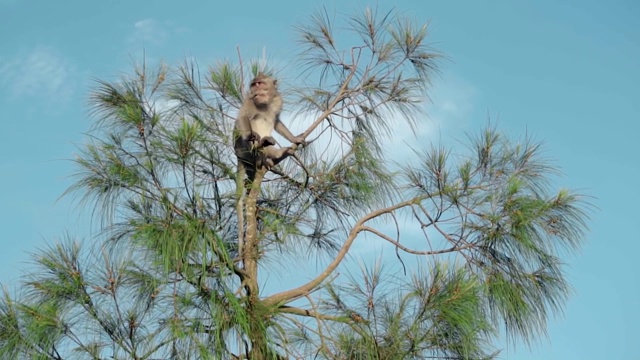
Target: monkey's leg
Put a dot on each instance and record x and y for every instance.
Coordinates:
(271, 154)
(275, 155)
(246, 155)
(267, 141)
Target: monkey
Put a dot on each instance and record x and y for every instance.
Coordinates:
(259, 115)
(254, 146)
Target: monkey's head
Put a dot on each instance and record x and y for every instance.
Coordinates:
(263, 90)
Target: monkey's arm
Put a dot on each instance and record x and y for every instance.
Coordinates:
(243, 127)
(282, 130)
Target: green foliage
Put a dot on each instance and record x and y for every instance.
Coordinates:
(436, 313)
(168, 280)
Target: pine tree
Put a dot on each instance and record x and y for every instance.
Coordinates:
(164, 278)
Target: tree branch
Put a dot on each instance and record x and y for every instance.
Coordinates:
(296, 293)
(309, 313)
(412, 251)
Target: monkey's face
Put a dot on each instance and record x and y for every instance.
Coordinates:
(262, 90)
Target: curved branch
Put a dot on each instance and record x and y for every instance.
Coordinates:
(329, 109)
(296, 293)
(412, 251)
(309, 313)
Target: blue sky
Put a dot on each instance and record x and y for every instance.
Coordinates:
(567, 72)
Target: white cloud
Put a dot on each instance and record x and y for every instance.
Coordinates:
(451, 108)
(38, 72)
(163, 105)
(453, 101)
(452, 104)
(148, 31)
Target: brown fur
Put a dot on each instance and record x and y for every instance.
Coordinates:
(257, 118)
